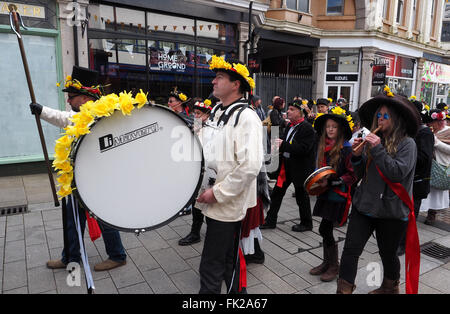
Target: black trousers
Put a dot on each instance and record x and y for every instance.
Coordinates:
(359, 230)
(301, 197)
(197, 220)
(219, 259)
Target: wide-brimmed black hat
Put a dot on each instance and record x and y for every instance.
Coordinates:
(340, 116)
(400, 104)
(235, 68)
(83, 81)
(179, 95)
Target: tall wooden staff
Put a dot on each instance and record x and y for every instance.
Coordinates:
(16, 21)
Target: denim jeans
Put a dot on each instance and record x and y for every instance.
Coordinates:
(111, 237)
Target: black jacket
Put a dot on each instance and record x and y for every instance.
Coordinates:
(425, 144)
(302, 151)
(276, 118)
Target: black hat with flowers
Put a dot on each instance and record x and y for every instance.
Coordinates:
(400, 104)
(83, 81)
(204, 106)
(340, 116)
(437, 115)
(178, 95)
(235, 69)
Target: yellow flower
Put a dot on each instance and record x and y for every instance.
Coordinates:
(338, 110)
(62, 192)
(330, 99)
(57, 84)
(446, 107)
(182, 96)
(63, 165)
(141, 99)
(207, 102)
(390, 94)
(251, 82)
(413, 97)
(304, 102)
(64, 141)
(219, 63)
(68, 78)
(387, 88)
(77, 131)
(241, 69)
(65, 179)
(126, 103)
(427, 107)
(83, 118)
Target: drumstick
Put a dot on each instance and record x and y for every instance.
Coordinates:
(364, 142)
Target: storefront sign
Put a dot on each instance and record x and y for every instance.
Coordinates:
(24, 9)
(388, 60)
(342, 77)
(436, 72)
(379, 75)
(165, 61)
(396, 65)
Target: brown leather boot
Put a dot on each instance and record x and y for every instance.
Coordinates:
(388, 286)
(319, 270)
(333, 268)
(56, 264)
(108, 264)
(344, 287)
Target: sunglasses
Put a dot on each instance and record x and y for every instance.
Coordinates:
(70, 97)
(385, 116)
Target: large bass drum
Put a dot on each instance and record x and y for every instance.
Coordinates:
(138, 172)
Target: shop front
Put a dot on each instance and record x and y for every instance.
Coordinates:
(138, 48)
(400, 74)
(19, 139)
(342, 75)
(435, 83)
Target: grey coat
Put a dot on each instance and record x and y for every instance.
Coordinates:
(373, 197)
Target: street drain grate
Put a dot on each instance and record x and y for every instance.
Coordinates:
(13, 210)
(436, 251)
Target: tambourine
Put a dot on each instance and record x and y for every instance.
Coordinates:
(311, 184)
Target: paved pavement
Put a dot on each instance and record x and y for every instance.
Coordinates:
(157, 265)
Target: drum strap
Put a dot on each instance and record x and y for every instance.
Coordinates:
(412, 251)
(87, 269)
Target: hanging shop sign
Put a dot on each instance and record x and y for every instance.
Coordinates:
(379, 75)
(397, 66)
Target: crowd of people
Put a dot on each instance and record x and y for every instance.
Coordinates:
(382, 157)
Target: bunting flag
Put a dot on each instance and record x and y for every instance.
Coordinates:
(108, 21)
(183, 50)
(109, 46)
(166, 49)
(184, 27)
(151, 43)
(209, 27)
(156, 27)
(201, 27)
(174, 27)
(96, 18)
(129, 49)
(164, 27)
(139, 26)
(208, 56)
(217, 27)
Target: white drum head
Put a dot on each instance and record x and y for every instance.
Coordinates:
(138, 172)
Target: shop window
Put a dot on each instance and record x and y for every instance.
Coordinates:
(170, 24)
(335, 7)
(345, 61)
(35, 13)
(19, 138)
(298, 5)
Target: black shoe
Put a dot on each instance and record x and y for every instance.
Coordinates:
(191, 238)
(254, 259)
(268, 226)
(301, 228)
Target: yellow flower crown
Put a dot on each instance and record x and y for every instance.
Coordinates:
(220, 63)
(82, 122)
(340, 112)
(387, 89)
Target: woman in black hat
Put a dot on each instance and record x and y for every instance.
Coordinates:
(334, 130)
(382, 202)
(178, 102)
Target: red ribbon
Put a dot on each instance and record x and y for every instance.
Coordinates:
(94, 229)
(242, 271)
(348, 197)
(282, 176)
(412, 251)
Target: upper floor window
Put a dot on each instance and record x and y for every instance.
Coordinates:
(433, 9)
(335, 7)
(385, 9)
(400, 8)
(298, 5)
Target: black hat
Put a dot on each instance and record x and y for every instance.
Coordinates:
(437, 114)
(83, 81)
(405, 109)
(323, 101)
(441, 106)
(235, 69)
(339, 115)
(422, 111)
(178, 95)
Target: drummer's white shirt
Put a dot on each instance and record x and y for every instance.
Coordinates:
(57, 117)
(237, 165)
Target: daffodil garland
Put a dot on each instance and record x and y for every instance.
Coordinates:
(220, 63)
(82, 121)
(340, 112)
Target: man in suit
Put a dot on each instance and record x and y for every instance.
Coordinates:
(298, 148)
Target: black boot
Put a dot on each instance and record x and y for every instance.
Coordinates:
(194, 235)
(258, 257)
